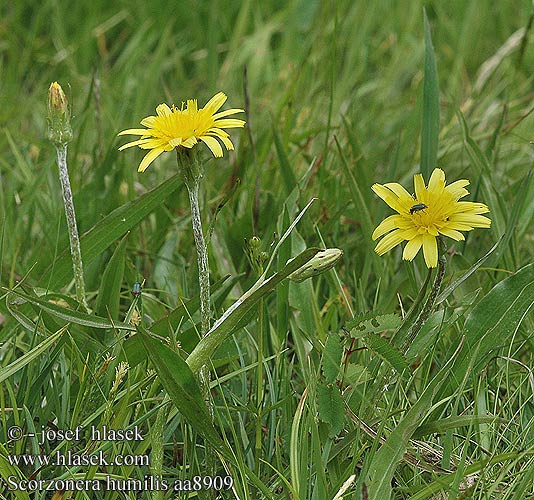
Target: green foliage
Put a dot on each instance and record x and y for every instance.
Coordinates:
(182, 387)
(109, 229)
(339, 96)
(367, 328)
(331, 407)
(109, 292)
(494, 321)
(384, 462)
(331, 360)
(430, 122)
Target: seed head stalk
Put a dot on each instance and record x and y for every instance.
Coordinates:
(60, 134)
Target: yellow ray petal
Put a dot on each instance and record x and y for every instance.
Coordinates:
(388, 224)
(451, 233)
(388, 242)
(139, 142)
(419, 188)
(149, 121)
(149, 158)
(227, 112)
(214, 145)
(133, 131)
(437, 180)
(230, 123)
(216, 102)
(412, 247)
(162, 110)
(430, 250)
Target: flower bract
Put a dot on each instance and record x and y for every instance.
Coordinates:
(432, 210)
(183, 127)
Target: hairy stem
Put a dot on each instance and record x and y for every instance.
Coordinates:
(74, 239)
(429, 304)
(191, 170)
(202, 257)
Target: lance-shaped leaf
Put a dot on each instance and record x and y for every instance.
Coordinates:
(227, 323)
(108, 230)
(494, 321)
(108, 299)
(70, 315)
(386, 459)
(182, 387)
(19, 363)
(430, 125)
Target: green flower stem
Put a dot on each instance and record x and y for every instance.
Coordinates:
(429, 304)
(202, 256)
(191, 170)
(400, 335)
(228, 322)
(383, 375)
(74, 239)
(203, 281)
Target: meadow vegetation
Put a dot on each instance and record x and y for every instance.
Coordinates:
(343, 385)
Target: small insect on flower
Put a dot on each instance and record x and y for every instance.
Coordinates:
(417, 207)
(441, 213)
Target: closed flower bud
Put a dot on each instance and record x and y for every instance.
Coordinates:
(59, 128)
(255, 255)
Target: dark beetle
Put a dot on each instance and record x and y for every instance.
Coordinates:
(417, 207)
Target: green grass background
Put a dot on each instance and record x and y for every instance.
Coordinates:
(335, 105)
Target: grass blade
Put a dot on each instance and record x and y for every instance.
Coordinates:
(226, 324)
(109, 229)
(19, 363)
(72, 316)
(385, 461)
(430, 122)
(494, 320)
(110, 287)
(183, 389)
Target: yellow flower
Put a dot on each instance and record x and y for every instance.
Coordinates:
(174, 128)
(421, 218)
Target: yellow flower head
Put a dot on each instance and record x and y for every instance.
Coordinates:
(173, 128)
(421, 218)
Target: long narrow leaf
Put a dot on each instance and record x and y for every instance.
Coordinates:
(386, 459)
(110, 286)
(285, 166)
(494, 321)
(458, 281)
(182, 387)
(19, 363)
(71, 315)
(444, 482)
(10, 471)
(430, 122)
(226, 324)
(109, 229)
